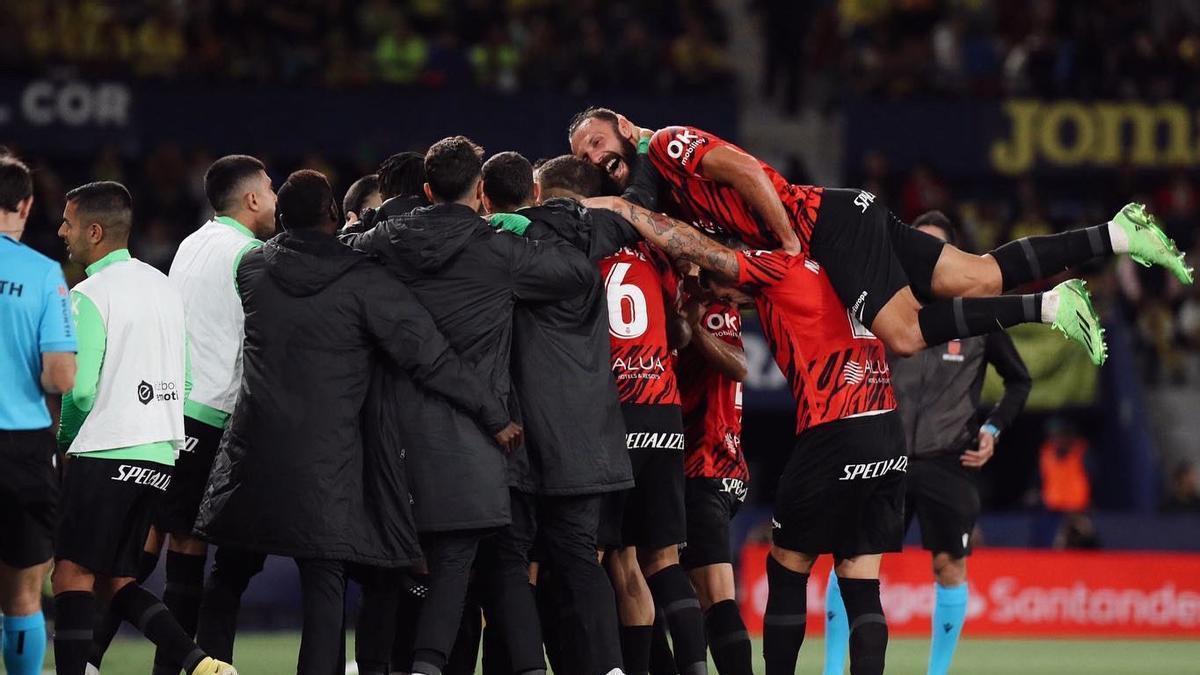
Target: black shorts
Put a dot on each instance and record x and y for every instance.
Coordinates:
(108, 506)
(842, 491)
(177, 511)
(28, 497)
(651, 514)
(870, 254)
(943, 496)
(711, 504)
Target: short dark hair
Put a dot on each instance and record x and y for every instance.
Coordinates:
(357, 195)
(508, 180)
(106, 202)
(570, 173)
(939, 220)
(591, 113)
(402, 175)
(16, 183)
(452, 166)
(306, 201)
(223, 178)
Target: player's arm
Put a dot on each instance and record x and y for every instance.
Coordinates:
(675, 238)
(56, 335)
(743, 173)
(405, 331)
(549, 270)
(92, 339)
(728, 357)
(1000, 351)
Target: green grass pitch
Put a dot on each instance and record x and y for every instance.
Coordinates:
(275, 653)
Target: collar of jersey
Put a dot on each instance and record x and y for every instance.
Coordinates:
(644, 145)
(116, 256)
(232, 222)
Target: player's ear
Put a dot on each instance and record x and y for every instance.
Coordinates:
(24, 207)
(351, 217)
(251, 200)
(488, 206)
(624, 126)
(429, 193)
(537, 193)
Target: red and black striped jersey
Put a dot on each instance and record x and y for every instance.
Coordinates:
(712, 404)
(636, 279)
(835, 366)
(717, 208)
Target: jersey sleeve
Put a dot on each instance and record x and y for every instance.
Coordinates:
(762, 269)
(93, 340)
(680, 149)
(56, 332)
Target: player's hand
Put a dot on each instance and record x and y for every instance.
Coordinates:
(975, 459)
(693, 310)
(509, 438)
(792, 246)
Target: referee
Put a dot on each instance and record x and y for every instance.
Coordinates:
(938, 392)
(122, 425)
(37, 357)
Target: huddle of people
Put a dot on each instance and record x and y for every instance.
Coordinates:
(496, 388)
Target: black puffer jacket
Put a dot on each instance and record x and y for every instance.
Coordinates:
(304, 470)
(469, 277)
(562, 364)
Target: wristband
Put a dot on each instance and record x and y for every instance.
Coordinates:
(991, 429)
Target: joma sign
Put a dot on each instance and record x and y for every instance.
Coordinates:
(1107, 134)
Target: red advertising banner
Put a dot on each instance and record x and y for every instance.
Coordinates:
(1017, 592)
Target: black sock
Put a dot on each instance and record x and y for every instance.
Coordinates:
(662, 661)
(635, 648)
(74, 614)
(140, 608)
(947, 320)
(727, 639)
(185, 585)
(785, 618)
(108, 623)
(868, 627)
(1034, 258)
(673, 592)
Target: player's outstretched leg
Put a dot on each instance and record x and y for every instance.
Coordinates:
(1067, 308)
(1133, 230)
(837, 628)
(787, 610)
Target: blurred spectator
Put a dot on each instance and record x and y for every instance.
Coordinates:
(400, 54)
(1184, 494)
(1066, 487)
(923, 191)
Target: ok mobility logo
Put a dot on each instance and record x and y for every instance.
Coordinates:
(163, 391)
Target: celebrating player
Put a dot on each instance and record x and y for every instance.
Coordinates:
(878, 266)
(711, 371)
(938, 391)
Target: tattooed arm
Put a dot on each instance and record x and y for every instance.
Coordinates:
(676, 238)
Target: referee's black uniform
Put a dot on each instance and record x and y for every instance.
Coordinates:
(938, 391)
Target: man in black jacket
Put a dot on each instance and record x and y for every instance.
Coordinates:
(949, 441)
(291, 477)
(401, 177)
(470, 278)
(575, 432)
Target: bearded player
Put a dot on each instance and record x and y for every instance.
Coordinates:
(878, 266)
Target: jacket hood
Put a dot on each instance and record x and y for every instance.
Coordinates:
(304, 263)
(430, 237)
(564, 216)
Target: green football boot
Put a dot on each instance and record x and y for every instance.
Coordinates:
(1077, 319)
(1148, 244)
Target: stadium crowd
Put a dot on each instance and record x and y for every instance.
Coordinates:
(521, 45)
